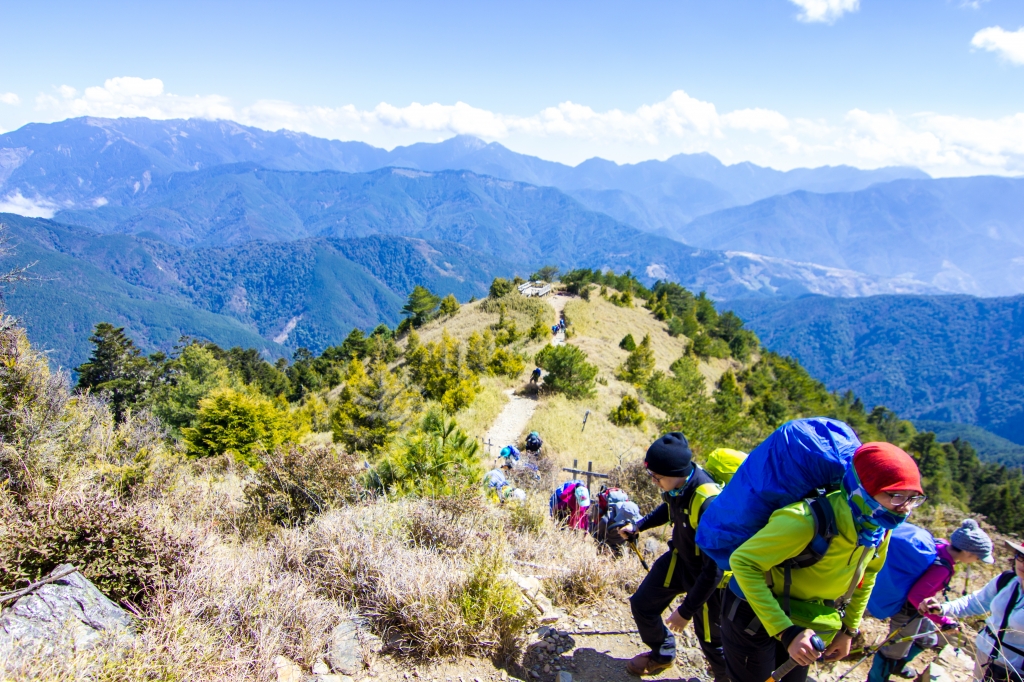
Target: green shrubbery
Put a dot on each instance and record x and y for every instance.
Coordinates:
(568, 371)
(438, 459)
(628, 412)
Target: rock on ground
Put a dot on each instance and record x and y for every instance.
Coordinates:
(67, 615)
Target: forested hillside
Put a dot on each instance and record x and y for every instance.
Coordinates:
(945, 358)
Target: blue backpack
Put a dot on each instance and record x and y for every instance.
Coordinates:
(912, 551)
(797, 459)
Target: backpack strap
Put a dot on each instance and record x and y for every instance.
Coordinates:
(825, 529)
(700, 500)
(1004, 579)
(1011, 603)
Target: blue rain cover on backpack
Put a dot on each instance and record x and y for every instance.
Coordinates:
(796, 459)
(911, 551)
(558, 498)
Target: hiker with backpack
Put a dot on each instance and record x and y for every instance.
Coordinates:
(917, 566)
(533, 442)
(614, 510)
(682, 569)
(535, 375)
(806, 575)
(1000, 644)
(570, 504)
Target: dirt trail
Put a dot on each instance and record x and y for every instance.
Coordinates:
(510, 424)
(558, 302)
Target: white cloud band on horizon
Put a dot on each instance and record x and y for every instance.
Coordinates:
(824, 11)
(570, 132)
(1007, 44)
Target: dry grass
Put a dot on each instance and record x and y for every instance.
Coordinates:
(476, 419)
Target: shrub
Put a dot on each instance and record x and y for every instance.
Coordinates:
(539, 331)
(501, 287)
(639, 366)
(506, 363)
(440, 370)
(706, 346)
(110, 543)
(235, 422)
(438, 460)
(479, 351)
(548, 273)
(189, 378)
(449, 306)
(627, 413)
(568, 370)
(372, 408)
(627, 343)
(293, 484)
(420, 306)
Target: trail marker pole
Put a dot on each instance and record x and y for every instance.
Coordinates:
(589, 473)
(585, 422)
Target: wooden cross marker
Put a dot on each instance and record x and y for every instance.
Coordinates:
(589, 473)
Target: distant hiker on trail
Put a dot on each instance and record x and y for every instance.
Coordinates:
(533, 442)
(1000, 644)
(535, 375)
(810, 570)
(917, 567)
(683, 569)
(510, 455)
(495, 482)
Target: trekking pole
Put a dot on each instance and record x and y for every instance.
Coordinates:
(872, 650)
(788, 666)
(632, 543)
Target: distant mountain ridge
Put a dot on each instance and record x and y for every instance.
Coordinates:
(77, 162)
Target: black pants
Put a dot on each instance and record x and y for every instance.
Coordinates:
(652, 598)
(751, 657)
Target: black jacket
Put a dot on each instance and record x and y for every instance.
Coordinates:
(701, 574)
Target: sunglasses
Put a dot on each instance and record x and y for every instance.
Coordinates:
(1017, 556)
(907, 501)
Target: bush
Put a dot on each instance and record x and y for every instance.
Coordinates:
(372, 408)
(706, 346)
(188, 379)
(506, 363)
(501, 287)
(639, 366)
(568, 370)
(627, 343)
(627, 413)
(539, 331)
(441, 371)
(421, 306)
(293, 484)
(449, 306)
(234, 422)
(110, 543)
(438, 460)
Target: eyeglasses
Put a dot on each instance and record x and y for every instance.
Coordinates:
(1017, 556)
(908, 501)
(655, 477)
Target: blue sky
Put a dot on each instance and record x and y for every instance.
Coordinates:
(933, 83)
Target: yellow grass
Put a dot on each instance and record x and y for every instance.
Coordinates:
(476, 419)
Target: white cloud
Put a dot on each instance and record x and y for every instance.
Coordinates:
(129, 97)
(824, 11)
(570, 132)
(9, 98)
(1008, 44)
(30, 208)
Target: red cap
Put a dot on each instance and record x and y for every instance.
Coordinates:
(883, 466)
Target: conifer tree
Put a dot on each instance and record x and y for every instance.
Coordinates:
(373, 407)
(449, 306)
(116, 369)
(189, 378)
(568, 371)
(639, 366)
(421, 305)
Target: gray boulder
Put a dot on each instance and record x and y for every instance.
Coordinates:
(67, 615)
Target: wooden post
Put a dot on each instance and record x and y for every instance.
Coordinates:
(589, 473)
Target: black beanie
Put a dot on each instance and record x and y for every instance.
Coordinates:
(670, 455)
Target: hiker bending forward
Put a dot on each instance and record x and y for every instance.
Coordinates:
(911, 632)
(1000, 643)
(770, 611)
(684, 568)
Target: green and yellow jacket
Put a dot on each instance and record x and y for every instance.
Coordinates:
(756, 565)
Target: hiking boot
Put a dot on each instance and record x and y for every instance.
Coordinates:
(647, 664)
(907, 673)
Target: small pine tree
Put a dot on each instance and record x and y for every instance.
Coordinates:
(421, 306)
(438, 460)
(568, 371)
(354, 345)
(639, 366)
(189, 378)
(479, 351)
(539, 331)
(449, 306)
(506, 363)
(627, 343)
(439, 368)
(372, 408)
(628, 412)
(116, 369)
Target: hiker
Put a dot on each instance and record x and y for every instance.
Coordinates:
(910, 632)
(1000, 644)
(570, 504)
(682, 569)
(535, 375)
(774, 606)
(533, 442)
(615, 510)
(510, 455)
(495, 481)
